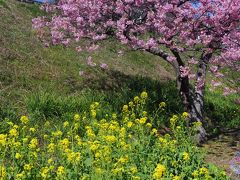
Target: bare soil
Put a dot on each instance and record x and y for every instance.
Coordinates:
(222, 149)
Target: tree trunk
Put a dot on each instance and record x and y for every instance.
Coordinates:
(198, 97)
(193, 101)
(193, 104)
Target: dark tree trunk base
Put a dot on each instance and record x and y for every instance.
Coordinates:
(201, 135)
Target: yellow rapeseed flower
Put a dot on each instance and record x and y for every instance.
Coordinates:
(94, 147)
(3, 172)
(114, 116)
(144, 113)
(136, 178)
(51, 148)
(137, 121)
(76, 117)
(50, 161)
(149, 125)
(195, 173)
(90, 133)
(97, 155)
(45, 136)
(154, 131)
(197, 124)
(33, 143)
(70, 157)
(122, 132)
(18, 156)
(20, 176)
(77, 137)
(13, 132)
(77, 156)
(162, 140)
(34, 154)
(176, 178)
(159, 171)
(129, 124)
(32, 129)
(3, 139)
(203, 170)
(57, 133)
(99, 171)
(60, 170)
(93, 113)
(15, 126)
(64, 143)
(143, 120)
(24, 119)
(44, 172)
(162, 104)
(134, 169)
(125, 108)
(136, 99)
(10, 123)
(111, 138)
(96, 104)
(118, 170)
(173, 120)
(131, 104)
(185, 115)
(51, 167)
(27, 167)
(186, 156)
(144, 95)
(76, 126)
(123, 160)
(66, 124)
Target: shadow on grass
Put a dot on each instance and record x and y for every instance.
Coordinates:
(121, 88)
(112, 89)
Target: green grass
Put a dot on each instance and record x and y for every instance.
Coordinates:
(3, 3)
(223, 110)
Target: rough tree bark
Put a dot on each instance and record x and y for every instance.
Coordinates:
(197, 103)
(192, 98)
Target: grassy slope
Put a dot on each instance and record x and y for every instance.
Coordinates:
(45, 82)
(28, 68)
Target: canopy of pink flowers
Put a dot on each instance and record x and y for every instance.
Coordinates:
(182, 25)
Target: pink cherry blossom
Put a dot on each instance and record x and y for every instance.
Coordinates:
(104, 66)
(90, 62)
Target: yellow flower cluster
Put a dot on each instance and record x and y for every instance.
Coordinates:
(116, 146)
(3, 139)
(24, 119)
(3, 172)
(173, 120)
(159, 171)
(186, 156)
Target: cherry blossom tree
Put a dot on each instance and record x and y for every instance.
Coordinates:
(195, 37)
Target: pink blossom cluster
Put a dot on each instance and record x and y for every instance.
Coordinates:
(177, 25)
(184, 71)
